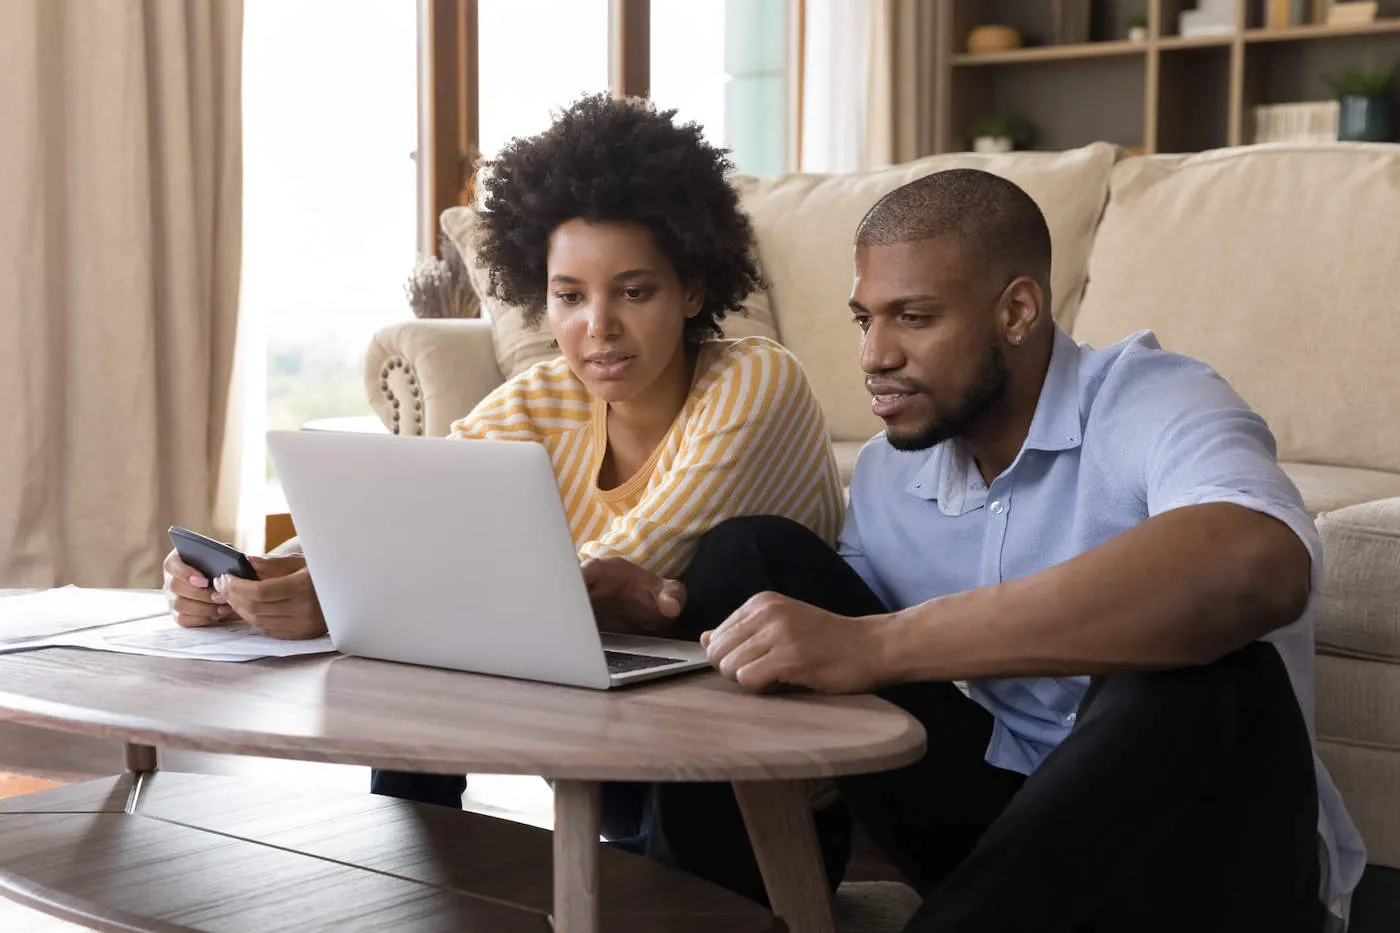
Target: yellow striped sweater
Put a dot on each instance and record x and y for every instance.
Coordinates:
(750, 439)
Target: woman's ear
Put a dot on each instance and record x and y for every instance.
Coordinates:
(694, 299)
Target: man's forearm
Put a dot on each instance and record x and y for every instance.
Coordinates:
(1186, 587)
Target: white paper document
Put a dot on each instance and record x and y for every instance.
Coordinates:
(131, 622)
(70, 608)
(161, 637)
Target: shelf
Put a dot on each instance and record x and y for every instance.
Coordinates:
(1167, 43)
(1324, 31)
(1052, 53)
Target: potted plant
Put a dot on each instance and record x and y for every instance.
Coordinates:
(1137, 28)
(994, 132)
(1364, 104)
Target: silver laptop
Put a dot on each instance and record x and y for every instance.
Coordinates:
(456, 554)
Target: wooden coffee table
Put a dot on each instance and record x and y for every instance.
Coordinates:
(166, 852)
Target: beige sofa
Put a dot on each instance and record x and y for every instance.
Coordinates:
(1278, 265)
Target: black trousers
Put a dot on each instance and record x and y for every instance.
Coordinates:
(1182, 799)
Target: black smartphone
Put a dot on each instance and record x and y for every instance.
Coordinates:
(211, 558)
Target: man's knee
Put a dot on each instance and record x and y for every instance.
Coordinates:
(1218, 693)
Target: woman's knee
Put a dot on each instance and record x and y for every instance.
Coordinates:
(761, 533)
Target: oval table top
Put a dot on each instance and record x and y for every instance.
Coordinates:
(357, 711)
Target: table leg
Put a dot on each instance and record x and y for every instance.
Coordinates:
(140, 758)
(784, 837)
(140, 761)
(577, 818)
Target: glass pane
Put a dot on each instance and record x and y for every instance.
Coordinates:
(329, 202)
(536, 56)
(722, 65)
(687, 62)
(755, 134)
(754, 35)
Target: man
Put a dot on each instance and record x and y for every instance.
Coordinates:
(1101, 543)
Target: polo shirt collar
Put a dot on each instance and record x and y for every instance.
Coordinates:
(1057, 424)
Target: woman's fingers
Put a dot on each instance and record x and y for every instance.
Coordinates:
(177, 569)
(191, 613)
(281, 607)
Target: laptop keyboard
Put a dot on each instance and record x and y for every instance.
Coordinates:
(622, 662)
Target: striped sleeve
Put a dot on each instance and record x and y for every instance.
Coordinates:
(756, 445)
(544, 400)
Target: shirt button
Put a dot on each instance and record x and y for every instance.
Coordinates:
(1071, 718)
(997, 507)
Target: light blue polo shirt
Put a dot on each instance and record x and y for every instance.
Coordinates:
(1119, 435)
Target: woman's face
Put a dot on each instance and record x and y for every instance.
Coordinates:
(616, 307)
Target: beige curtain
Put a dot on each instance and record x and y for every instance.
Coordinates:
(120, 200)
(899, 99)
(867, 83)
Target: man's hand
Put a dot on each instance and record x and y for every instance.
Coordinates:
(773, 640)
(281, 603)
(630, 600)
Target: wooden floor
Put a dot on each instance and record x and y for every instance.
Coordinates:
(42, 759)
(13, 917)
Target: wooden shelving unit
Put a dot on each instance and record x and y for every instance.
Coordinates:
(1168, 93)
(1050, 53)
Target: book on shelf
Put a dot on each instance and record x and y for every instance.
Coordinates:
(1306, 122)
(1352, 12)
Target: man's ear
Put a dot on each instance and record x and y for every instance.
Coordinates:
(1021, 308)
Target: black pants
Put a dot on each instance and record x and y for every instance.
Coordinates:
(1182, 800)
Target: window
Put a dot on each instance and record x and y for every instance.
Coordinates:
(329, 200)
(535, 57)
(723, 65)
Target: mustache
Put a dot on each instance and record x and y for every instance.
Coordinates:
(903, 382)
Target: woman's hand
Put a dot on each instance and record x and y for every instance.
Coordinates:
(281, 603)
(192, 597)
(631, 600)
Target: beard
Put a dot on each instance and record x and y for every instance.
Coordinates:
(987, 387)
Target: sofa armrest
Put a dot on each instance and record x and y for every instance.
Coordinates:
(422, 375)
(1359, 609)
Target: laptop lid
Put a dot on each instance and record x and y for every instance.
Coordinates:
(448, 553)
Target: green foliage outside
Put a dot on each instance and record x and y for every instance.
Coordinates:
(307, 380)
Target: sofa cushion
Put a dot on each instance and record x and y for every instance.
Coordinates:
(1369, 780)
(1326, 488)
(806, 228)
(519, 346)
(846, 453)
(1277, 265)
(1358, 701)
(1359, 609)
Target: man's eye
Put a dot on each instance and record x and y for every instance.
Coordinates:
(568, 298)
(862, 321)
(916, 320)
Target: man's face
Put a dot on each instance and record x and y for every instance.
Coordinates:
(931, 351)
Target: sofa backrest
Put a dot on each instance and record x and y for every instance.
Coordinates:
(806, 223)
(1278, 265)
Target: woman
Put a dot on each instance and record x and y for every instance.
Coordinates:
(618, 228)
